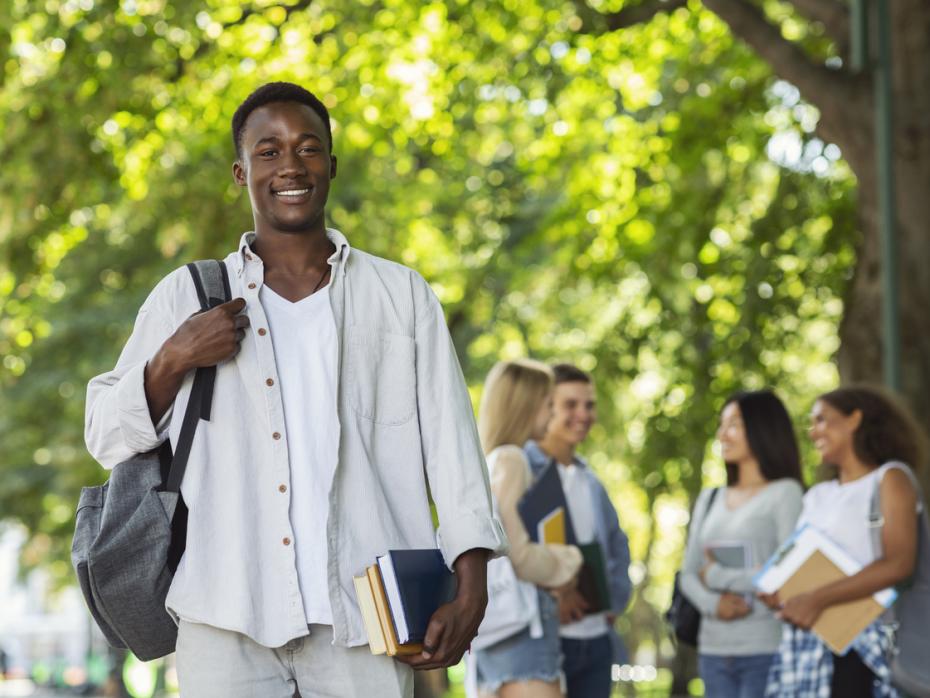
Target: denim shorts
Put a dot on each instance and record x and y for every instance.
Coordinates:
(521, 657)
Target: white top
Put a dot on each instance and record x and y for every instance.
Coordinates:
(303, 335)
(581, 509)
(406, 427)
(841, 511)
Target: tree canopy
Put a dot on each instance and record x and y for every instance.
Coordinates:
(651, 203)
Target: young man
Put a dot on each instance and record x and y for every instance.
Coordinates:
(339, 403)
(589, 643)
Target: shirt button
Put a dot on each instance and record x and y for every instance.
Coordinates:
(286, 541)
(276, 435)
(282, 488)
(262, 331)
(269, 382)
(252, 285)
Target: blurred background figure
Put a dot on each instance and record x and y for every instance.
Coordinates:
(590, 644)
(869, 442)
(516, 406)
(735, 529)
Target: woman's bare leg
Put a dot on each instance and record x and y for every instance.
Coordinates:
(530, 689)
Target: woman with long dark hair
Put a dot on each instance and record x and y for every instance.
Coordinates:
(734, 529)
(869, 441)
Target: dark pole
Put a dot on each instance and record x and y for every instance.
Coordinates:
(884, 139)
(860, 53)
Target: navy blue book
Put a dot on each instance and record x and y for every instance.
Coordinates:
(544, 510)
(416, 583)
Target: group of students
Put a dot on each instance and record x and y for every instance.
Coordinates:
(752, 645)
(531, 416)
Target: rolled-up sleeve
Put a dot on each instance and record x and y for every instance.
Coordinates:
(117, 423)
(455, 465)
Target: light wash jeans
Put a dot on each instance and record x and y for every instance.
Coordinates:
(727, 676)
(214, 663)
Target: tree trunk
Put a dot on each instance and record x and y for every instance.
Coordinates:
(847, 107)
(860, 356)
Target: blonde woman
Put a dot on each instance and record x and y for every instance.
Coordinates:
(516, 406)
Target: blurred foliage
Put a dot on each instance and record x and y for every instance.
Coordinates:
(651, 204)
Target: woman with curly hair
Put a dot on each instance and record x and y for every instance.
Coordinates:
(871, 442)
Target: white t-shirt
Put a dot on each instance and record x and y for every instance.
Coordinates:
(581, 509)
(842, 512)
(304, 339)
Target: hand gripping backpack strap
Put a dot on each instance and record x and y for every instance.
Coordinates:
(211, 280)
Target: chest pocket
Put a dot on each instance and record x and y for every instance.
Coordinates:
(381, 380)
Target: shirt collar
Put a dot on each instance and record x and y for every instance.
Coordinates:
(537, 456)
(246, 255)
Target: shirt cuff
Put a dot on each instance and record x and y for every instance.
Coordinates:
(469, 531)
(135, 421)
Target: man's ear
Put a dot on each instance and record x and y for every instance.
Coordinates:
(332, 167)
(238, 172)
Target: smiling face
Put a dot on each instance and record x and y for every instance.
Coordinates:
(574, 412)
(832, 431)
(287, 166)
(734, 444)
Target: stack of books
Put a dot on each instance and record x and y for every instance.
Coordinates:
(810, 559)
(544, 512)
(397, 597)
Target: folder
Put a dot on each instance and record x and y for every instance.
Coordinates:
(544, 510)
(810, 559)
(416, 582)
(592, 579)
(551, 528)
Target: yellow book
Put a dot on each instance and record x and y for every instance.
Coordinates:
(551, 528)
(366, 604)
(384, 615)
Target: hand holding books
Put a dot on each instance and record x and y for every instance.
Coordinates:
(417, 611)
(808, 561)
(545, 514)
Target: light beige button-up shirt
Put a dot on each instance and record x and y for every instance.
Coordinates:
(406, 428)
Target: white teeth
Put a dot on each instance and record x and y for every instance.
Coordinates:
(292, 192)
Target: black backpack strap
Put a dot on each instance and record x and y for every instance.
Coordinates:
(710, 503)
(211, 280)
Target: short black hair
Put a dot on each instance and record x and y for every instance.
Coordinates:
(569, 373)
(770, 435)
(277, 92)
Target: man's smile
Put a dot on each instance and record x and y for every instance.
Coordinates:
(293, 195)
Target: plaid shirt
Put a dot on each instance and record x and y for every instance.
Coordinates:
(803, 666)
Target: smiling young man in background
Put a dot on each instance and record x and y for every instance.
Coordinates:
(339, 403)
(590, 644)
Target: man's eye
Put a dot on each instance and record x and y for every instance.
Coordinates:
(267, 153)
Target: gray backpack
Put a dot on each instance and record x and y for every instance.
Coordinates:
(910, 662)
(130, 532)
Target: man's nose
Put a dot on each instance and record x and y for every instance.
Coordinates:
(291, 163)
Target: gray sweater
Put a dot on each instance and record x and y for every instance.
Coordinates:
(764, 522)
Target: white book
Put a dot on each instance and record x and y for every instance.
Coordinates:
(795, 551)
